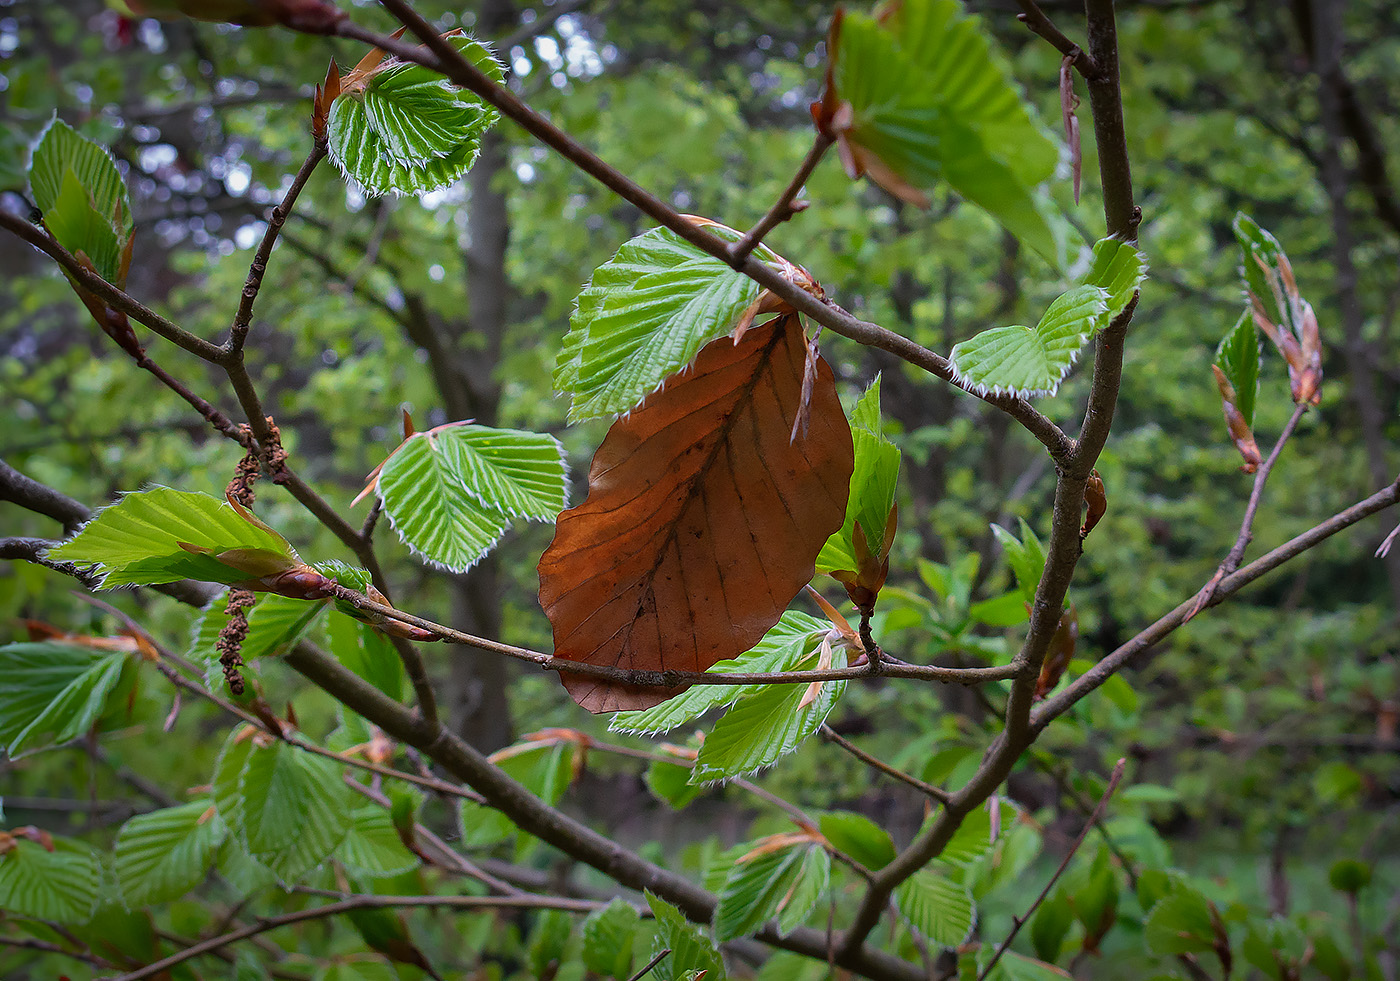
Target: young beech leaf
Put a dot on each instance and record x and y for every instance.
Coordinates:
(1237, 358)
(404, 129)
(644, 315)
(937, 906)
(869, 508)
(54, 879)
(1119, 268)
(915, 96)
(703, 518)
(162, 535)
(766, 725)
(452, 492)
(1029, 361)
(53, 693)
(83, 200)
(1279, 310)
(161, 855)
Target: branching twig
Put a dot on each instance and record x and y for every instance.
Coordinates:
(1232, 560)
(440, 56)
(1019, 921)
(785, 207)
(238, 334)
(670, 679)
(115, 298)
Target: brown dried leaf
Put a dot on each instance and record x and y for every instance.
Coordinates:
(703, 520)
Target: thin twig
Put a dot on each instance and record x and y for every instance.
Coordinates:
(27, 943)
(359, 903)
(671, 678)
(115, 298)
(646, 968)
(276, 218)
(1246, 535)
(1018, 921)
(786, 206)
(832, 736)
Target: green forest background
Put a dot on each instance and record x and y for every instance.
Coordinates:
(1261, 739)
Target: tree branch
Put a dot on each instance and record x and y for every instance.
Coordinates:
(668, 679)
(1034, 18)
(1111, 664)
(786, 206)
(115, 298)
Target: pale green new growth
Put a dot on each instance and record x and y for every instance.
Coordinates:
(643, 316)
(451, 492)
(408, 130)
(934, 102)
(935, 905)
(161, 855)
(137, 541)
(1028, 361)
(82, 197)
(60, 885)
(1238, 357)
(872, 486)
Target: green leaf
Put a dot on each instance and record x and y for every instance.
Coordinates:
(643, 316)
(932, 101)
(451, 491)
(247, 967)
(756, 884)
(407, 129)
(1006, 610)
(859, 837)
(1238, 358)
(1179, 924)
(293, 806)
(813, 879)
(1025, 556)
(972, 840)
(766, 725)
(936, 906)
(1259, 246)
(1028, 361)
(792, 638)
(670, 782)
(52, 693)
(872, 486)
(1349, 875)
(137, 540)
(164, 854)
(608, 937)
(82, 197)
(690, 950)
(1051, 925)
(550, 936)
(1119, 269)
(544, 768)
(59, 885)
(366, 651)
(372, 847)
